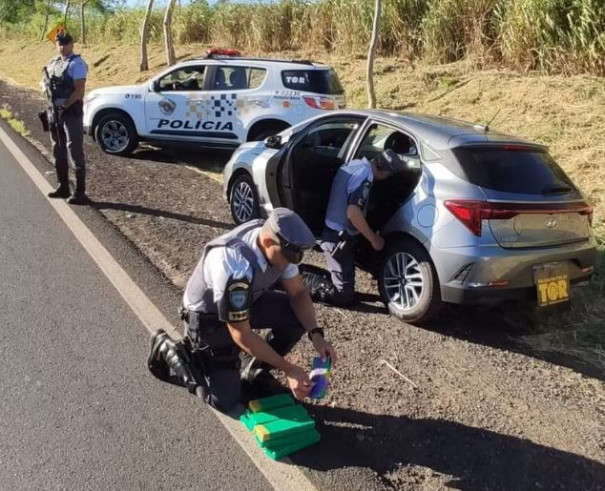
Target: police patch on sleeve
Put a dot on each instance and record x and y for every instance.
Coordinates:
(362, 195)
(238, 301)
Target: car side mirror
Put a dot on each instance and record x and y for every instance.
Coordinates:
(154, 86)
(273, 141)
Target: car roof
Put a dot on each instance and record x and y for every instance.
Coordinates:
(440, 132)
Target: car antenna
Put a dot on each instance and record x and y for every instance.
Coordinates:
(486, 128)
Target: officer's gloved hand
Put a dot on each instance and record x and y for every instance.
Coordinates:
(60, 112)
(299, 382)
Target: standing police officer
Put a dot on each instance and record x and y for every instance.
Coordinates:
(345, 220)
(65, 84)
(228, 297)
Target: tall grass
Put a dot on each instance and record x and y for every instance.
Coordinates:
(555, 36)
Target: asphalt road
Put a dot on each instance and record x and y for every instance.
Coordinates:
(78, 408)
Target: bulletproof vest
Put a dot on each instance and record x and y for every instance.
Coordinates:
(198, 290)
(61, 84)
(339, 197)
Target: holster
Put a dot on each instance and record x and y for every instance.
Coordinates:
(43, 115)
(201, 328)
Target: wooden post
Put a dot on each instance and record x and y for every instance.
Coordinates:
(372, 54)
(144, 66)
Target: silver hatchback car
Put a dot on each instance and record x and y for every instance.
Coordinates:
(478, 217)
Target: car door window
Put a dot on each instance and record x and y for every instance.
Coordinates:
(184, 79)
(238, 78)
(380, 137)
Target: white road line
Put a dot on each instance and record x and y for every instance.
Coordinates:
(282, 475)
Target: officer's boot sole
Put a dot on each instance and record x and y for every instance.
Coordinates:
(155, 362)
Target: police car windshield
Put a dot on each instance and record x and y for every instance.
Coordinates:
(317, 81)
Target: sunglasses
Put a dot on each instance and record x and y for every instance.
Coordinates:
(293, 254)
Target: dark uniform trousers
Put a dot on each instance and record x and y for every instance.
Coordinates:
(67, 138)
(340, 259)
(271, 311)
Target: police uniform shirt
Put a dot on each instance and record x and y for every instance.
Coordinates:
(358, 189)
(222, 264)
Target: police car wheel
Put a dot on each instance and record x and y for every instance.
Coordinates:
(116, 134)
(408, 282)
(243, 200)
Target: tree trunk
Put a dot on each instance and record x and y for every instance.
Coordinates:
(170, 56)
(65, 14)
(144, 66)
(83, 21)
(372, 54)
(46, 15)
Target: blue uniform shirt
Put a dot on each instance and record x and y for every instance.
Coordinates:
(77, 68)
(351, 186)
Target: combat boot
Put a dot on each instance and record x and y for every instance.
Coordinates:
(62, 190)
(79, 195)
(166, 354)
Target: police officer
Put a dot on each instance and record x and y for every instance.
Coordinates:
(228, 297)
(65, 84)
(345, 220)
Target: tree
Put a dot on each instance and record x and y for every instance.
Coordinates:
(65, 13)
(372, 54)
(82, 20)
(47, 11)
(170, 56)
(144, 66)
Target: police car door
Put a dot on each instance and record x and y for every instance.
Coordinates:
(172, 108)
(237, 99)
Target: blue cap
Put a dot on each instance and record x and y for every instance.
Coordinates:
(292, 231)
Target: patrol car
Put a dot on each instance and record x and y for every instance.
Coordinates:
(221, 99)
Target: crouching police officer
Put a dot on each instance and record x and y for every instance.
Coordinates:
(228, 297)
(64, 83)
(345, 220)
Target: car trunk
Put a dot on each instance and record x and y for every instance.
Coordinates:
(530, 201)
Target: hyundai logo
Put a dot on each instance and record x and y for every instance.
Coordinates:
(551, 222)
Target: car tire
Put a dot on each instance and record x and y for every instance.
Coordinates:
(418, 300)
(243, 199)
(116, 135)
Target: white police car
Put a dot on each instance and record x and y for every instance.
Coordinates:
(221, 100)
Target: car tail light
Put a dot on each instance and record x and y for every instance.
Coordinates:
(319, 102)
(471, 213)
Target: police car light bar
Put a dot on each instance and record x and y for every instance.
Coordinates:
(212, 52)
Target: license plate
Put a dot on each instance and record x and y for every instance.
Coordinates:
(552, 284)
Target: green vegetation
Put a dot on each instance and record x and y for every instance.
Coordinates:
(555, 36)
(15, 124)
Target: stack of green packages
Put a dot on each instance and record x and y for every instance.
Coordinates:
(280, 426)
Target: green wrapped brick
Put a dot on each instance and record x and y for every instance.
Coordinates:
(273, 402)
(281, 428)
(283, 451)
(307, 437)
(296, 413)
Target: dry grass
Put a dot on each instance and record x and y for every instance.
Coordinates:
(14, 123)
(566, 113)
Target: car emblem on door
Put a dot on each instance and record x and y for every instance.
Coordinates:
(167, 106)
(551, 222)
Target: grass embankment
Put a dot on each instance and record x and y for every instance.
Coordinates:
(565, 113)
(14, 123)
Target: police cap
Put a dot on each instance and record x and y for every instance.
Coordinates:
(293, 234)
(64, 38)
(389, 161)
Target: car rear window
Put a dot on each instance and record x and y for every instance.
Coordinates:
(513, 169)
(318, 81)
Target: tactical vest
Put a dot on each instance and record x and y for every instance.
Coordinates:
(61, 84)
(339, 197)
(199, 292)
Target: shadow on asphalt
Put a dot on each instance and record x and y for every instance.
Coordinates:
(474, 457)
(142, 210)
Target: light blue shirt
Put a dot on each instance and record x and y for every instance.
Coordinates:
(77, 69)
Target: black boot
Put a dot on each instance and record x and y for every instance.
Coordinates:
(79, 195)
(62, 190)
(166, 354)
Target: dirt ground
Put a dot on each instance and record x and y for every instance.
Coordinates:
(483, 412)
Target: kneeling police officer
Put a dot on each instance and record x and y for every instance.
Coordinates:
(228, 297)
